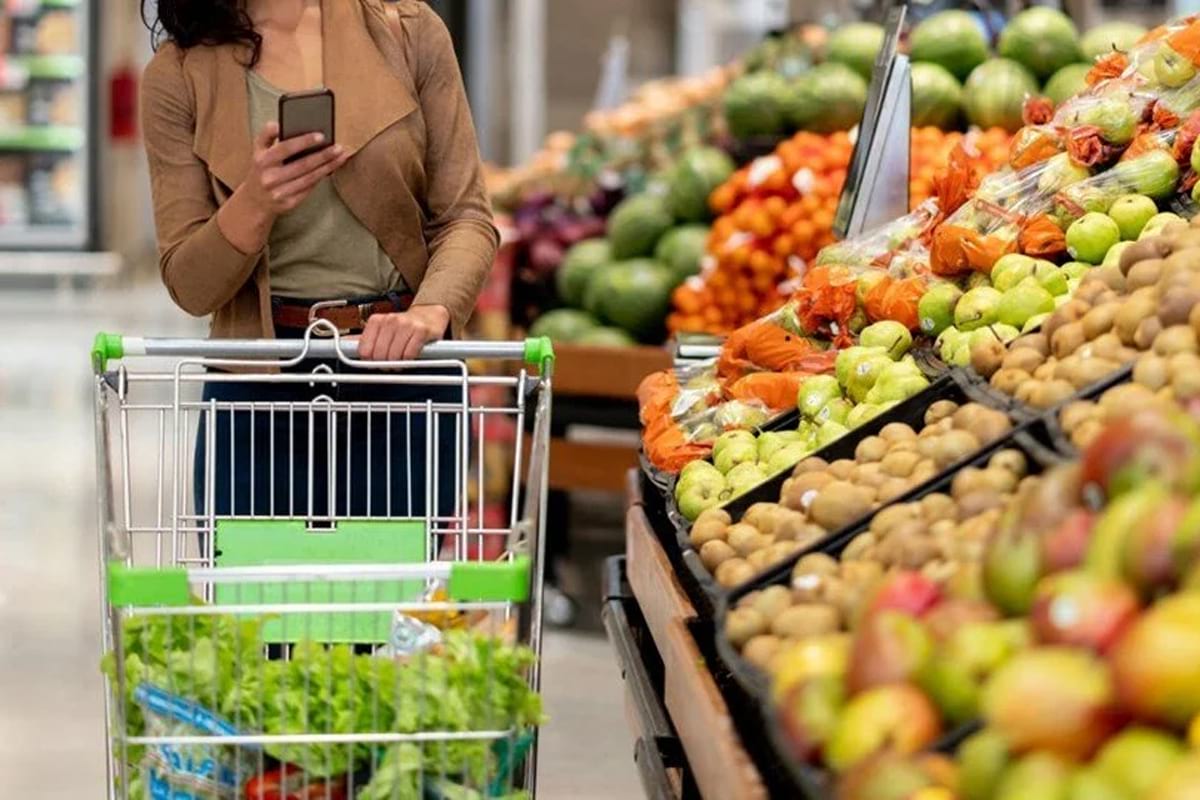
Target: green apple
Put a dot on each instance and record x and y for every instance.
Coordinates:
(1090, 236)
(865, 373)
(1154, 173)
(1155, 224)
(1131, 212)
(1026, 299)
(1036, 776)
(847, 359)
(731, 455)
(1077, 269)
(730, 437)
(744, 477)
(982, 759)
(830, 432)
(1171, 68)
(935, 311)
(815, 393)
(788, 457)
(892, 336)
(1115, 119)
(703, 492)
(695, 470)
(836, 410)
(1136, 757)
(1050, 277)
(862, 414)
(1010, 269)
(977, 308)
(1113, 257)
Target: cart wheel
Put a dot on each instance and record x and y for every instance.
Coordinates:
(559, 609)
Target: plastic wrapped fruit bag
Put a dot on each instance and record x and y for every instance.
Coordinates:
(876, 246)
(1148, 167)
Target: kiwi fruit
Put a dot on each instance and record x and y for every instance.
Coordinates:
(1146, 332)
(798, 491)
(1151, 371)
(986, 357)
(760, 650)
(1144, 273)
(1025, 359)
(714, 553)
(1099, 320)
(1051, 393)
(743, 624)
(1067, 339)
(1038, 342)
(1111, 276)
(1007, 380)
(1175, 339)
(838, 504)
(1133, 311)
(939, 411)
(1143, 250)
(733, 572)
(872, 448)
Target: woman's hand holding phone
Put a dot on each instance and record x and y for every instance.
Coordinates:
(272, 187)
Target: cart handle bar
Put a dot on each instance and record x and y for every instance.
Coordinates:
(536, 351)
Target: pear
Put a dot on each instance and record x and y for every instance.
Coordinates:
(865, 373)
(815, 393)
(1050, 277)
(1010, 269)
(848, 358)
(836, 410)
(1025, 300)
(977, 308)
(861, 414)
(890, 335)
(1131, 212)
(935, 311)
(829, 433)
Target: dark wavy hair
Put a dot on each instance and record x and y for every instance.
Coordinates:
(190, 23)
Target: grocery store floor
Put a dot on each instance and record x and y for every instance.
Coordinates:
(50, 693)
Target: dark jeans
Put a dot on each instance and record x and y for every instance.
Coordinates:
(365, 463)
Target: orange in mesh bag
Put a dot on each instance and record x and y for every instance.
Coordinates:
(763, 346)
(776, 390)
(1041, 238)
(957, 250)
(827, 301)
(896, 300)
(1033, 145)
(1107, 67)
(670, 450)
(655, 394)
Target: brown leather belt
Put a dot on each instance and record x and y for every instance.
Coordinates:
(348, 316)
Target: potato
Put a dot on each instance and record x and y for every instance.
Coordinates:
(743, 624)
(1051, 393)
(1090, 288)
(912, 549)
(798, 492)
(1039, 342)
(1024, 393)
(897, 432)
(978, 502)
(967, 480)
(870, 474)
(1175, 304)
(1091, 370)
(838, 504)
(900, 464)
(795, 527)
(706, 530)
(1025, 359)
(1045, 372)
(872, 448)
(841, 468)
(715, 553)
(862, 573)
(939, 411)
(985, 424)
(810, 464)
(1176, 339)
(802, 621)
(1099, 320)
(745, 539)
(859, 547)
(759, 650)
(816, 564)
(893, 489)
(715, 514)
(925, 470)
(1186, 386)
(1000, 479)
(906, 446)
(1151, 371)
(1111, 277)
(780, 551)
(936, 506)
(760, 560)
(760, 515)
(1076, 413)
(888, 518)
(733, 572)
(1182, 364)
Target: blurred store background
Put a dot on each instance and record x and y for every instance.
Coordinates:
(77, 256)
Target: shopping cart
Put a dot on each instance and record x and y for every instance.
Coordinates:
(320, 646)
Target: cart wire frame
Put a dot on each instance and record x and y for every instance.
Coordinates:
(161, 563)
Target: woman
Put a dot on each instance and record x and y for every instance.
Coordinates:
(386, 233)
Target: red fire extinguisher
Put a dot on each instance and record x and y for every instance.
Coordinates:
(122, 103)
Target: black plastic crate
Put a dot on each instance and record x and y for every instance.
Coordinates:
(752, 685)
(703, 589)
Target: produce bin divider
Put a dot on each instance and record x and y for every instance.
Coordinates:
(721, 766)
(955, 385)
(1029, 439)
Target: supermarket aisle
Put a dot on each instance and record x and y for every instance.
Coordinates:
(50, 699)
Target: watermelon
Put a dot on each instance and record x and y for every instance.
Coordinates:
(856, 45)
(995, 93)
(831, 97)
(577, 267)
(936, 96)
(754, 105)
(604, 336)
(634, 295)
(682, 249)
(636, 225)
(1066, 83)
(950, 39)
(563, 324)
(1040, 39)
(1103, 39)
(693, 179)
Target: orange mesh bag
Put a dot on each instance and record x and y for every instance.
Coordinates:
(1034, 144)
(896, 300)
(1185, 138)
(1186, 42)
(1041, 238)
(1037, 110)
(655, 394)
(776, 390)
(1107, 67)
(826, 303)
(670, 451)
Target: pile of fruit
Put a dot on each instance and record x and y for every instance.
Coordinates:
(776, 214)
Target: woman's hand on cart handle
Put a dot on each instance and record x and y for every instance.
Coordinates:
(273, 187)
(401, 336)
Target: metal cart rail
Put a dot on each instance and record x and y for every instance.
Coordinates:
(301, 597)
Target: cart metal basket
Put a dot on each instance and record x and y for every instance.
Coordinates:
(304, 596)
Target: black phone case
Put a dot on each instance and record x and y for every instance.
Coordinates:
(283, 99)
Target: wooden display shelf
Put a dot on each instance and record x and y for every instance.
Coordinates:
(605, 372)
(722, 769)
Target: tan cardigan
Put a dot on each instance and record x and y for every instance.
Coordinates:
(414, 178)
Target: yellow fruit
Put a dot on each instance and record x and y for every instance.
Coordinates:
(809, 658)
(1194, 732)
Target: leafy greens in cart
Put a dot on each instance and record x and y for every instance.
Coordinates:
(471, 683)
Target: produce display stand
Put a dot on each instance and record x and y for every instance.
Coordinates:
(721, 766)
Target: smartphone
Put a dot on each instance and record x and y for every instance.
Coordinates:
(301, 113)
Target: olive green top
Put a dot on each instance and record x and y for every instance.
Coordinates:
(319, 250)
